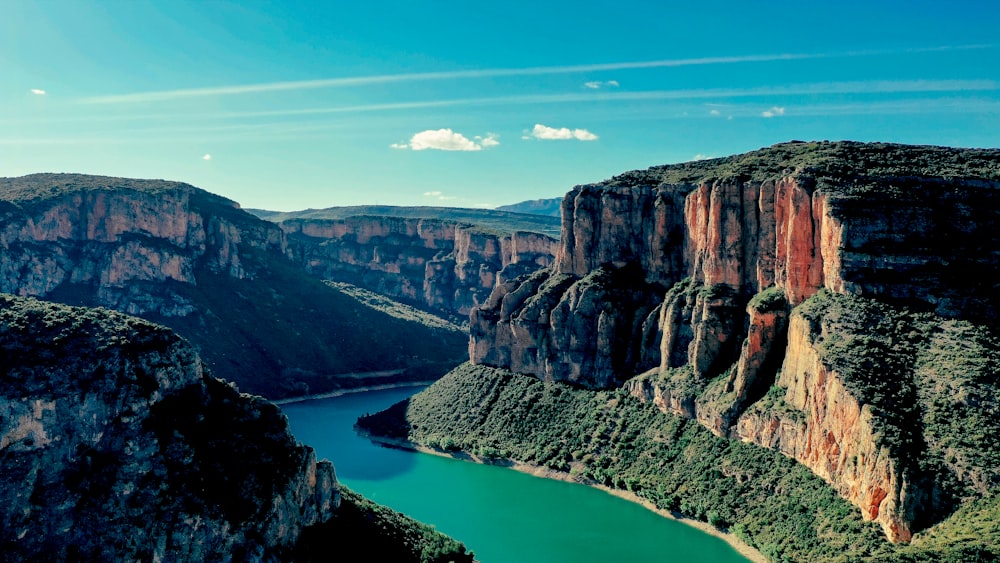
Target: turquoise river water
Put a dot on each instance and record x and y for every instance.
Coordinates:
(500, 514)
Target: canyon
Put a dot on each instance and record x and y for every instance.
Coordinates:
(178, 255)
(686, 284)
(443, 266)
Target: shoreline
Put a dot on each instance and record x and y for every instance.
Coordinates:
(741, 547)
(342, 392)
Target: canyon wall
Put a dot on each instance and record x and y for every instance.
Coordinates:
(117, 445)
(690, 277)
(113, 240)
(196, 262)
(441, 265)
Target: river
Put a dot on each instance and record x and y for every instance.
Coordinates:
(500, 514)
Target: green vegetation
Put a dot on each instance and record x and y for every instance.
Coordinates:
(931, 383)
(364, 531)
(287, 334)
(770, 300)
(609, 437)
(393, 308)
(490, 220)
(549, 206)
(274, 329)
(832, 165)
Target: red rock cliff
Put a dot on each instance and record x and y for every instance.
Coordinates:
(656, 270)
(112, 240)
(438, 264)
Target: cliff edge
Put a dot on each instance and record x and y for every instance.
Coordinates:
(116, 444)
(695, 275)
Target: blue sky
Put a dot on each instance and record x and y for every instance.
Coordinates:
(290, 105)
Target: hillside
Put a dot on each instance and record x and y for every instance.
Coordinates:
(489, 220)
(116, 444)
(547, 207)
(221, 277)
(833, 302)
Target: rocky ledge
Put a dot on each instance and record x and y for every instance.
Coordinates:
(693, 275)
(115, 444)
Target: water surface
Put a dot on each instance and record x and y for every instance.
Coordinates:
(500, 514)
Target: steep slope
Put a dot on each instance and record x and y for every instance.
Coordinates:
(695, 275)
(439, 265)
(194, 261)
(116, 444)
(609, 438)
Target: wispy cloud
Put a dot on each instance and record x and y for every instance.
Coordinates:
(446, 140)
(439, 195)
(207, 157)
(38, 92)
(598, 84)
(163, 95)
(775, 111)
(341, 82)
(559, 134)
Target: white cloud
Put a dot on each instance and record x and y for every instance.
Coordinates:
(38, 92)
(490, 140)
(714, 112)
(207, 157)
(563, 133)
(598, 84)
(439, 195)
(700, 156)
(773, 112)
(446, 140)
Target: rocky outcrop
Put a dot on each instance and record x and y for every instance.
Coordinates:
(713, 256)
(442, 265)
(117, 445)
(183, 257)
(827, 428)
(113, 236)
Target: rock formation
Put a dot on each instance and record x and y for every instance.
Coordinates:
(687, 274)
(194, 261)
(440, 265)
(115, 444)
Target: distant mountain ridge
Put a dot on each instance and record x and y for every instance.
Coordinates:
(501, 222)
(548, 207)
(221, 277)
(444, 260)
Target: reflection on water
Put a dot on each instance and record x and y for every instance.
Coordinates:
(500, 514)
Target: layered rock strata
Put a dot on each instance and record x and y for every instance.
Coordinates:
(441, 265)
(682, 249)
(194, 261)
(114, 239)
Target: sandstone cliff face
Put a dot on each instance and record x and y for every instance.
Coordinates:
(122, 448)
(442, 265)
(699, 243)
(830, 431)
(111, 240)
(183, 257)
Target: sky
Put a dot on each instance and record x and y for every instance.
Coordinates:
(295, 105)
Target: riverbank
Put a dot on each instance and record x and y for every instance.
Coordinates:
(741, 547)
(342, 392)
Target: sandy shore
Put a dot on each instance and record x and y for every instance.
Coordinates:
(538, 471)
(342, 392)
